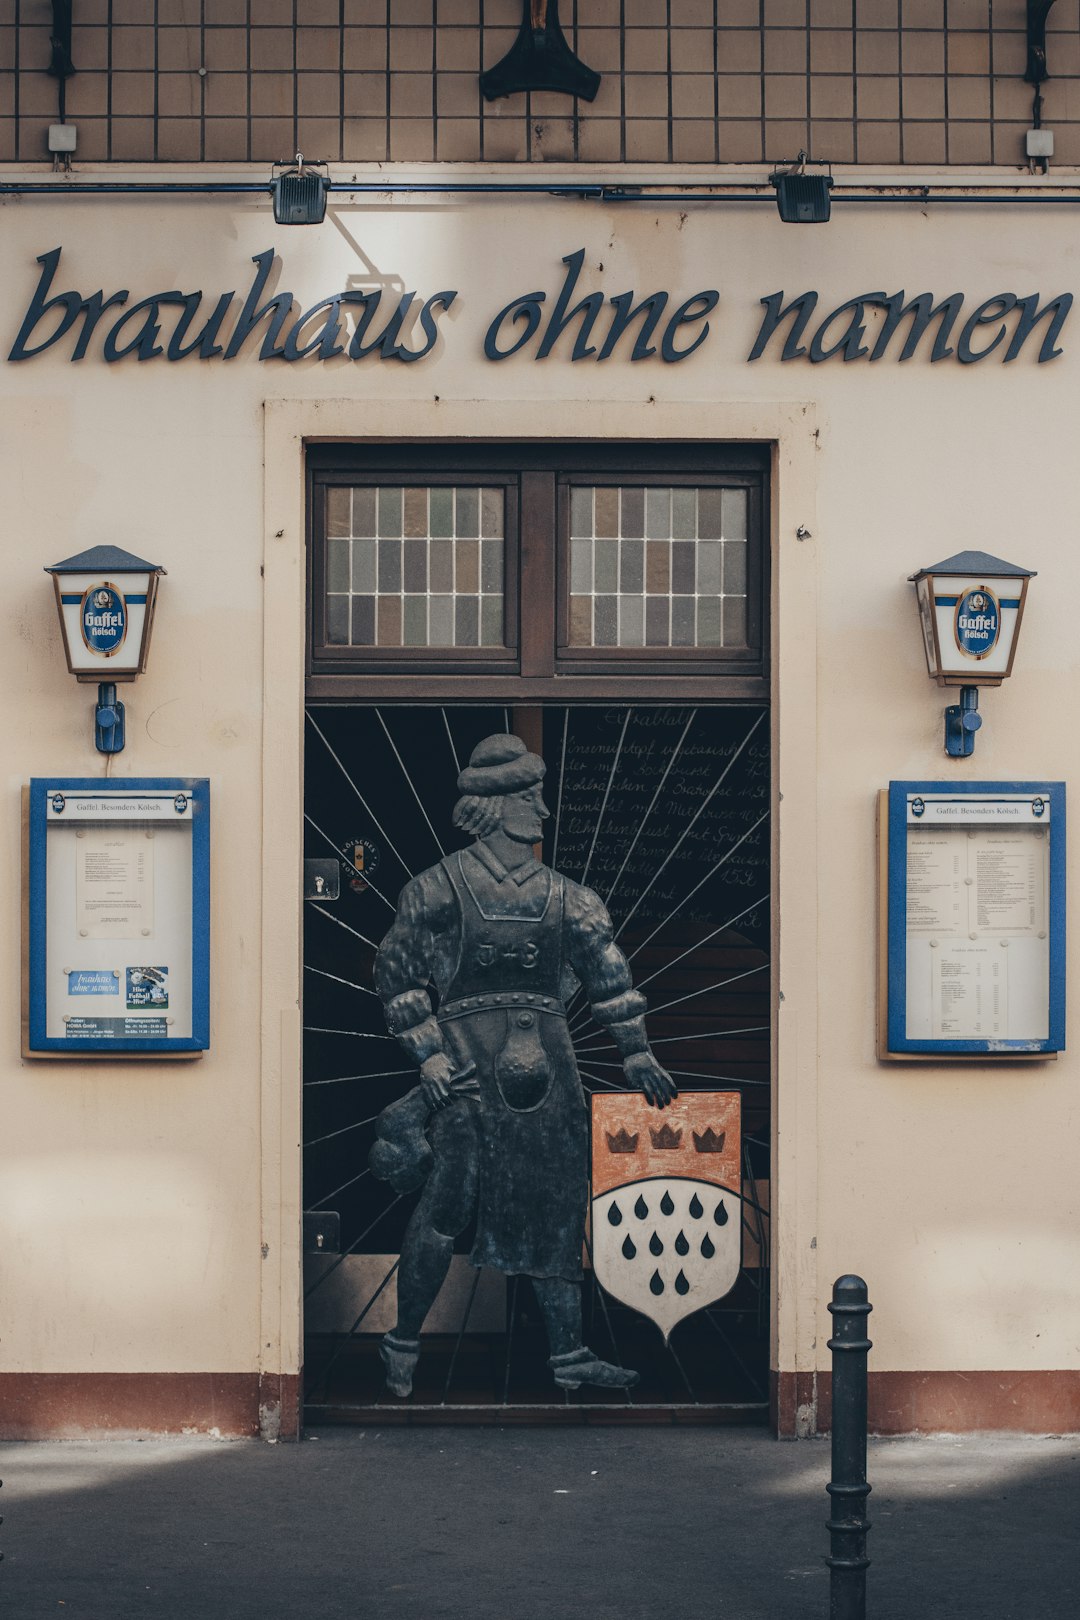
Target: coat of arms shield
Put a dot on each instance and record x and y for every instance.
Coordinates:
(666, 1201)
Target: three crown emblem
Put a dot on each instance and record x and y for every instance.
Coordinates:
(667, 1140)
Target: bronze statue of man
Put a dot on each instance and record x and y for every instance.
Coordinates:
(499, 1117)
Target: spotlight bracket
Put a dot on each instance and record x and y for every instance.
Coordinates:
(801, 198)
(299, 192)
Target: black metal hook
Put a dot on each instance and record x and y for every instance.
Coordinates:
(1037, 13)
(540, 59)
(61, 66)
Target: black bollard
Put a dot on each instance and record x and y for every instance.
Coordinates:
(848, 1524)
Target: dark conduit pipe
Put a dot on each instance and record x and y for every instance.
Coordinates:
(693, 193)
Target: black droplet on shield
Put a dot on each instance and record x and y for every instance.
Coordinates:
(681, 1284)
(721, 1216)
(656, 1283)
(641, 1208)
(696, 1207)
(628, 1248)
(666, 1206)
(708, 1247)
(614, 1214)
(681, 1245)
(655, 1245)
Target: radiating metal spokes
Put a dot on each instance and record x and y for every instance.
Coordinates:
(665, 813)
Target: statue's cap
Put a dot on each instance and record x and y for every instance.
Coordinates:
(500, 764)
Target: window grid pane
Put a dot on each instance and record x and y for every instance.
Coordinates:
(413, 566)
(659, 567)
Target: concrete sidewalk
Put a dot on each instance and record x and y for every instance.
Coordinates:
(627, 1524)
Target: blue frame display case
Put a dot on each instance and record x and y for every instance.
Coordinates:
(928, 896)
(69, 884)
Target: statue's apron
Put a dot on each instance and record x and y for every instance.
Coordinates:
(502, 1011)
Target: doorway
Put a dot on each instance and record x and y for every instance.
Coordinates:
(664, 811)
(605, 603)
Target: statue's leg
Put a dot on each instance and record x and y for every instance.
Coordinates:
(445, 1208)
(573, 1363)
(560, 1306)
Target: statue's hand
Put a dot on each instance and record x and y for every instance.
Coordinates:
(435, 1074)
(642, 1070)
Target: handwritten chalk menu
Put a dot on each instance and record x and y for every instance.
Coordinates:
(118, 914)
(975, 917)
(664, 812)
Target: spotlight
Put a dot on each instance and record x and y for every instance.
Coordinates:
(802, 199)
(299, 194)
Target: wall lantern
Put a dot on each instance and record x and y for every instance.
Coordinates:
(300, 193)
(105, 599)
(970, 607)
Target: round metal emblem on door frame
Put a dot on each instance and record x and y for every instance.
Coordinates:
(361, 857)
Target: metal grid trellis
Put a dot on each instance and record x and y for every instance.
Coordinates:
(683, 81)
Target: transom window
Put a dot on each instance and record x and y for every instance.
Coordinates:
(411, 566)
(658, 566)
(536, 562)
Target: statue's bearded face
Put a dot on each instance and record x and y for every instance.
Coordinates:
(524, 814)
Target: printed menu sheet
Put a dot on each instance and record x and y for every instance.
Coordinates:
(978, 947)
(114, 883)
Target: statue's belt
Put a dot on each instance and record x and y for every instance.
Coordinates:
(465, 1005)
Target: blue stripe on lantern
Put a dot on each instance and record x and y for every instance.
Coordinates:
(73, 601)
(939, 601)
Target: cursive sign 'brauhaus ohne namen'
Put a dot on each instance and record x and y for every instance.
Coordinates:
(359, 324)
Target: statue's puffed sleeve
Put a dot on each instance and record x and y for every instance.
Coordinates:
(404, 962)
(603, 970)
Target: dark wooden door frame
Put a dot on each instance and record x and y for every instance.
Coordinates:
(537, 672)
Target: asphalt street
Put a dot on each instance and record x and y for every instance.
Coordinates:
(613, 1524)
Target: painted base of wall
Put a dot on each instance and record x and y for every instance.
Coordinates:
(935, 1402)
(78, 1406)
(70, 1406)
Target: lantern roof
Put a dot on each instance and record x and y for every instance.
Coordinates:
(975, 562)
(105, 560)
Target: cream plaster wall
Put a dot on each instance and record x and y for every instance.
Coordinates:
(136, 1202)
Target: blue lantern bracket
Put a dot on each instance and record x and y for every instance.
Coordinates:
(962, 721)
(109, 734)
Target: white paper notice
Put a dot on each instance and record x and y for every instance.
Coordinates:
(936, 869)
(1010, 880)
(114, 884)
(978, 948)
(962, 880)
(969, 989)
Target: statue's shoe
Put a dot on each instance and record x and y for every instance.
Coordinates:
(399, 1358)
(582, 1366)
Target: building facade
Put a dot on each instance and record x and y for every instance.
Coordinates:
(552, 426)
